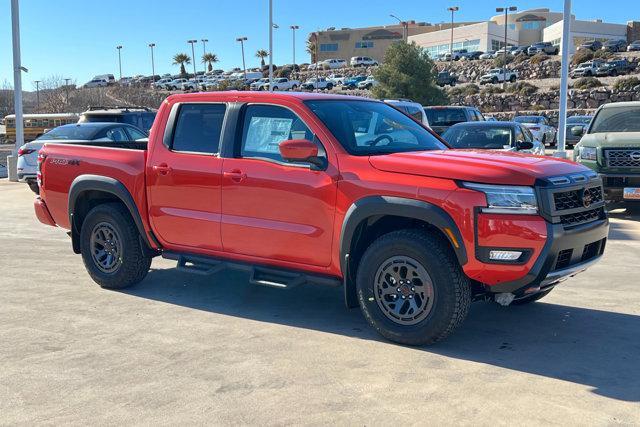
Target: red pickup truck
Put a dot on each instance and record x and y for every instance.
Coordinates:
(307, 188)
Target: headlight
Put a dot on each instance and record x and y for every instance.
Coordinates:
(588, 153)
(508, 199)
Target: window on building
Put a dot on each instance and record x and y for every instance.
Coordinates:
(532, 25)
(512, 26)
(328, 47)
(364, 44)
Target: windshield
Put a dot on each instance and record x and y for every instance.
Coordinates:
(368, 128)
(445, 116)
(617, 119)
(579, 120)
(528, 119)
(465, 136)
(73, 132)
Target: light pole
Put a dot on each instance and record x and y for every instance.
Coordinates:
(564, 71)
(270, 46)
(204, 52)
(37, 82)
(244, 66)
(193, 55)
(153, 66)
(293, 31)
(66, 89)
(452, 9)
(405, 27)
(17, 88)
(119, 47)
(506, 11)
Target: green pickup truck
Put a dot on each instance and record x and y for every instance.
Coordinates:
(611, 147)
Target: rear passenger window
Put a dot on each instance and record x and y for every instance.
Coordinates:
(198, 128)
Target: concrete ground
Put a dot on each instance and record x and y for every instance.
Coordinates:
(182, 348)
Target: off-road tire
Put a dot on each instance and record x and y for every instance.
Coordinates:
(531, 298)
(133, 266)
(451, 289)
(512, 78)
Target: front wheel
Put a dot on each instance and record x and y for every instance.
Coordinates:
(411, 288)
(512, 78)
(111, 247)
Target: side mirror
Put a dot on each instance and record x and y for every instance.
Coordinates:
(301, 151)
(524, 145)
(577, 131)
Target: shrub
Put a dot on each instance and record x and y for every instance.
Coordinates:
(603, 54)
(522, 88)
(539, 58)
(501, 61)
(626, 84)
(586, 83)
(471, 89)
(488, 90)
(582, 56)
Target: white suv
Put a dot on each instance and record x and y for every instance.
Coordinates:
(334, 63)
(414, 109)
(362, 61)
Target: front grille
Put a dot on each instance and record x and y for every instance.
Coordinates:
(624, 158)
(583, 217)
(573, 199)
(564, 259)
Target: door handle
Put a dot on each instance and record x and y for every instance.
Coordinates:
(162, 169)
(236, 175)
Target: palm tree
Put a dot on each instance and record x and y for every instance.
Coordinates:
(311, 49)
(209, 58)
(261, 53)
(181, 59)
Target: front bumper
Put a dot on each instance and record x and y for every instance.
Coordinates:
(615, 183)
(567, 252)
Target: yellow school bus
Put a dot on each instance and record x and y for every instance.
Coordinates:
(36, 124)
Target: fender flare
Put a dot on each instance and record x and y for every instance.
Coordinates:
(373, 206)
(83, 183)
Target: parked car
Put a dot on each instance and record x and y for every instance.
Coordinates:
(571, 138)
(362, 61)
(162, 83)
(543, 47)
(96, 83)
(140, 117)
(498, 75)
(317, 83)
(108, 77)
(519, 50)
(176, 84)
(614, 46)
(614, 68)
(490, 54)
(441, 118)
(333, 64)
(337, 79)
(539, 127)
(352, 82)
(500, 52)
(411, 231)
(413, 109)
(586, 69)
(503, 136)
(634, 46)
(611, 147)
(260, 84)
(77, 133)
(457, 55)
(592, 45)
(446, 78)
(283, 83)
(368, 83)
(474, 54)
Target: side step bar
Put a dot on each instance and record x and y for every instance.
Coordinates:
(259, 275)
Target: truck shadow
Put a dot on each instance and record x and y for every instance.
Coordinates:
(595, 348)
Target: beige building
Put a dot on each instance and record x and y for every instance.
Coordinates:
(345, 43)
(583, 31)
(528, 24)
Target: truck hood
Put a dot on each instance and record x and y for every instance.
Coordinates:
(612, 139)
(490, 167)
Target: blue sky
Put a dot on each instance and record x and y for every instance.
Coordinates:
(77, 39)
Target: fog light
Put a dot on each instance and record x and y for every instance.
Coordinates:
(504, 255)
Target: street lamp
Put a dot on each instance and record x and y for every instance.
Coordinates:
(37, 82)
(270, 46)
(153, 66)
(244, 66)
(405, 27)
(66, 88)
(293, 31)
(193, 55)
(204, 51)
(452, 10)
(119, 60)
(506, 11)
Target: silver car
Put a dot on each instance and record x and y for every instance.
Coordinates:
(539, 127)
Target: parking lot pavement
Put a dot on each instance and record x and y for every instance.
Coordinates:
(185, 348)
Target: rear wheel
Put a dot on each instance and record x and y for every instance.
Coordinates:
(411, 288)
(531, 298)
(111, 247)
(512, 78)
(329, 86)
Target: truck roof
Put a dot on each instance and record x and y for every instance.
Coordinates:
(232, 95)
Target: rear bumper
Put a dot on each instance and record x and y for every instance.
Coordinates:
(42, 212)
(567, 252)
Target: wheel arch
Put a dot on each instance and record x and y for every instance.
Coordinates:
(370, 217)
(88, 191)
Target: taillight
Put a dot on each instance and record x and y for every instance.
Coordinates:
(25, 151)
(41, 158)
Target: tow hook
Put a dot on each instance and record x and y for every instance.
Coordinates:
(504, 299)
